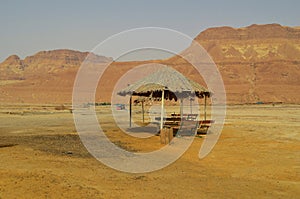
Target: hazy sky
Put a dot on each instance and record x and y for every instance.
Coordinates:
(34, 25)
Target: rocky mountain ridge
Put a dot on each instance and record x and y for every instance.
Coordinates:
(258, 63)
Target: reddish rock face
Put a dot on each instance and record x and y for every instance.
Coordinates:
(254, 43)
(259, 63)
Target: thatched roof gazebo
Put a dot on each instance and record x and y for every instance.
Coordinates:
(166, 83)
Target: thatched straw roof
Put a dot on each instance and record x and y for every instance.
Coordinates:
(171, 81)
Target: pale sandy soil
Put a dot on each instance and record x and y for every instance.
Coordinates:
(257, 156)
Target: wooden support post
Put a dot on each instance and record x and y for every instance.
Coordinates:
(162, 110)
(181, 109)
(130, 110)
(143, 111)
(205, 101)
(191, 105)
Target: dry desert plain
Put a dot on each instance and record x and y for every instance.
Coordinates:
(257, 156)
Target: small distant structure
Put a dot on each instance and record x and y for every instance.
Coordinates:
(120, 106)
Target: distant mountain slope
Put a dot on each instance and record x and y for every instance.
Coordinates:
(44, 62)
(258, 63)
(46, 77)
(254, 43)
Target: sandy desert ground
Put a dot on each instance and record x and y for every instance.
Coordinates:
(257, 156)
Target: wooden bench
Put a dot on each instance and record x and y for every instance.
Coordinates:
(185, 128)
(188, 127)
(201, 126)
(169, 121)
(204, 125)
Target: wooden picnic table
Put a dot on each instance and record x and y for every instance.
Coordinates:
(176, 122)
(177, 117)
(169, 118)
(201, 125)
(184, 115)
